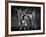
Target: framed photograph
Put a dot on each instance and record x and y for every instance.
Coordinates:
(25, 18)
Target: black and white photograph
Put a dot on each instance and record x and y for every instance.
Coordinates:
(25, 18)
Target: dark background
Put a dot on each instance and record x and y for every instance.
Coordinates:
(15, 20)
